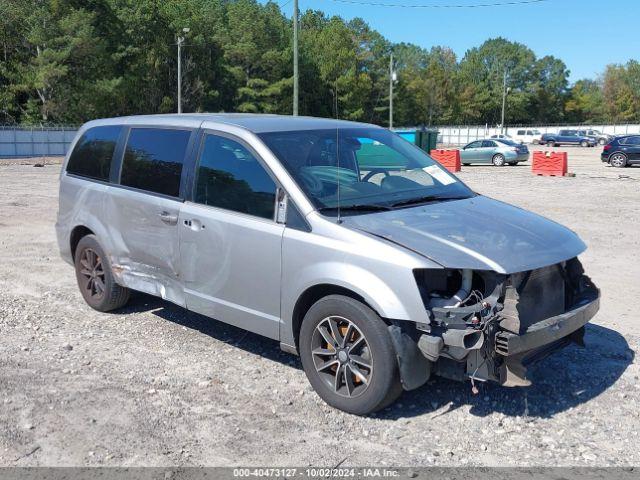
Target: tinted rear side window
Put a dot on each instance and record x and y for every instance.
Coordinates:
(230, 177)
(92, 154)
(630, 141)
(153, 160)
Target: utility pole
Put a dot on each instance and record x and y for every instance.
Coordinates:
(504, 99)
(180, 42)
(295, 58)
(391, 79)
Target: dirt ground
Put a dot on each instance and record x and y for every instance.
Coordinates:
(156, 385)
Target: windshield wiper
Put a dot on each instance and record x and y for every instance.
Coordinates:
(372, 207)
(425, 199)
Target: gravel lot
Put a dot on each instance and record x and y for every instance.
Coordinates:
(156, 385)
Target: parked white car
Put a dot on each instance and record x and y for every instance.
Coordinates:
(502, 136)
(527, 135)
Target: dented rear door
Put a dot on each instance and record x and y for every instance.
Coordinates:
(144, 208)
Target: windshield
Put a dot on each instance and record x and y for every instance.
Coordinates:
(362, 167)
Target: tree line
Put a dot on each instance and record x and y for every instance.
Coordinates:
(68, 61)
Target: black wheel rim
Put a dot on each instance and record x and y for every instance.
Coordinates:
(92, 274)
(342, 356)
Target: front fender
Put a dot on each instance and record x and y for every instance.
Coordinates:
(378, 294)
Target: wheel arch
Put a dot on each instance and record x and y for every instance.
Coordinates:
(77, 233)
(617, 152)
(316, 292)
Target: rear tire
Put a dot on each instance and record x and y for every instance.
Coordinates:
(602, 141)
(466, 164)
(584, 143)
(551, 144)
(618, 160)
(498, 160)
(348, 356)
(95, 279)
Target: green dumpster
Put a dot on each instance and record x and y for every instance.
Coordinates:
(427, 139)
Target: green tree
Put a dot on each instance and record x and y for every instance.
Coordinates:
(621, 91)
(585, 102)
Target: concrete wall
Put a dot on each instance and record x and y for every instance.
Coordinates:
(35, 141)
(461, 135)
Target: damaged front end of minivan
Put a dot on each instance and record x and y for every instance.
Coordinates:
(488, 326)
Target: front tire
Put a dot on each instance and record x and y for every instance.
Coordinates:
(618, 160)
(584, 144)
(95, 279)
(551, 144)
(602, 141)
(498, 160)
(348, 356)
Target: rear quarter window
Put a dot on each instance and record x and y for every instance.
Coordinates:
(93, 153)
(153, 159)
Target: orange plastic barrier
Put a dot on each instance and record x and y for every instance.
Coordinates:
(449, 159)
(552, 164)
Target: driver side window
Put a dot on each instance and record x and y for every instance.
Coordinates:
(476, 144)
(230, 177)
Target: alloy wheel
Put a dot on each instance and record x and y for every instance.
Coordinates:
(342, 356)
(618, 160)
(498, 160)
(92, 273)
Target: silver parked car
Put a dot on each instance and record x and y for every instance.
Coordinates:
(344, 242)
(497, 151)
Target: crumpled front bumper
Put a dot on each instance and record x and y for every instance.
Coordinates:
(543, 338)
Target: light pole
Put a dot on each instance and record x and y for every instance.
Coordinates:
(505, 90)
(180, 42)
(295, 58)
(392, 78)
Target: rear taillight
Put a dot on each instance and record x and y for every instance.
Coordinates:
(607, 148)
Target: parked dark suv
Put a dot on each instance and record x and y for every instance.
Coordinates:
(622, 151)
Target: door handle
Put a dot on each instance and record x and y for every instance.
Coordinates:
(168, 218)
(194, 224)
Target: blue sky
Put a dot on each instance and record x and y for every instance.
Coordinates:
(585, 34)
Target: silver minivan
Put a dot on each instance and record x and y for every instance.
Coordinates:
(342, 241)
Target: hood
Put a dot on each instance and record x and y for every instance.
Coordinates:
(476, 233)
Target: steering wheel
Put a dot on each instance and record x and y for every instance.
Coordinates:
(312, 182)
(374, 172)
